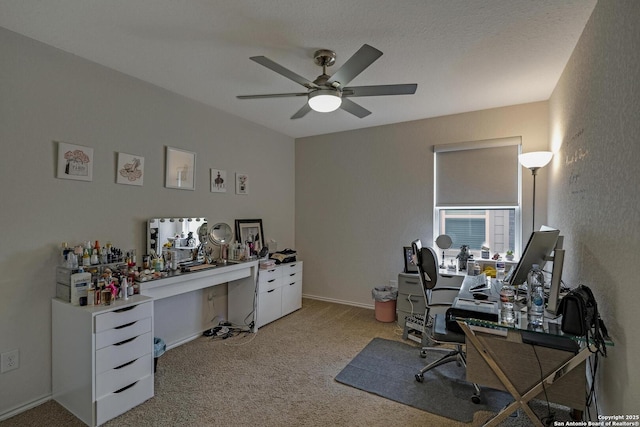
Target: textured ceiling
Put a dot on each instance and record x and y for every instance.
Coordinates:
(465, 55)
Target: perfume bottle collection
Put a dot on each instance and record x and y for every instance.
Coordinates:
(89, 274)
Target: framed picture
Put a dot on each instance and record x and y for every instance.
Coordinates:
(130, 169)
(218, 181)
(180, 169)
(409, 266)
(242, 183)
(75, 162)
(249, 231)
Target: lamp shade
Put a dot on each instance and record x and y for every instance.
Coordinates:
(535, 159)
(324, 100)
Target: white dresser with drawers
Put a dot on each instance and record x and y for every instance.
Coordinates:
(279, 292)
(102, 357)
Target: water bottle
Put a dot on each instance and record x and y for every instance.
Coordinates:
(500, 270)
(535, 296)
(507, 300)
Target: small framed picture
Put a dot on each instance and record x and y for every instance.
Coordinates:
(130, 169)
(180, 169)
(409, 266)
(218, 181)
(75, 162)
(242, 183)
(250, 232)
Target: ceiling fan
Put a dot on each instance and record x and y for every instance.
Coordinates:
(328, 93)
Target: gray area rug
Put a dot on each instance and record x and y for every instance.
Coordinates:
(387, 368)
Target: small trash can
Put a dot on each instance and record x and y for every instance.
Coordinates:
(159, 347)
(385, 303)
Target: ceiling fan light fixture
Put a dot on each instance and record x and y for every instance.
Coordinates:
(324, 100)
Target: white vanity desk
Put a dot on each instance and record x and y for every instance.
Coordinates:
(183, 309)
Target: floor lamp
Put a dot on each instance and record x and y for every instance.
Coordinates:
(534, 161)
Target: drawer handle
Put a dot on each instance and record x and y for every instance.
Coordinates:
(271, 290)
(120, 310)
(291, 265)
(412, 283)
(125, 341)
(125, 364)
(292, 274)
(272, 280)
(125, 326)
(125, 387)
(292, 283)
(412, 299)
(271, 271)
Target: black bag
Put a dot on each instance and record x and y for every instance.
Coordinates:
(580, 317)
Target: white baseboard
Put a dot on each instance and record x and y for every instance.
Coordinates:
(20, 409)
(338, 301)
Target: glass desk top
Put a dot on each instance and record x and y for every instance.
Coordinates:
(465, 300)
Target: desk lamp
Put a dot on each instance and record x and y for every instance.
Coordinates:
(534, 161)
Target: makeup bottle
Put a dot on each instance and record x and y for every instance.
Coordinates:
(86, 259)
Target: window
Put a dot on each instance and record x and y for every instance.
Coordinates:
(477, 227)
(477, 196)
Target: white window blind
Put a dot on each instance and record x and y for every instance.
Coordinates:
(477, 173)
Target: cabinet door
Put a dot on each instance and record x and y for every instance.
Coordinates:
(291, 296)
(269, 306)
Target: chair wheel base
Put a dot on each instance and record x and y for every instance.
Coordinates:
(475, 399)
(419, 378)
(423, 354)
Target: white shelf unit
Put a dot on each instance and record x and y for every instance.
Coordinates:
(279, 292)
(102, 357)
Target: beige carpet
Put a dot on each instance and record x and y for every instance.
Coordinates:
(281, 376)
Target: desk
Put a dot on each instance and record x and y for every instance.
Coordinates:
(180, 312)
(503, 361)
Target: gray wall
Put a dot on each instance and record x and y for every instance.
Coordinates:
(363, 195)
(593, 196)
(47, 95)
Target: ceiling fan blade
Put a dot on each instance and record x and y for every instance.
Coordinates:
(360, 60)
(301, 112)
(353, 108)
(264, 61)
(271, 95)
(400, 89)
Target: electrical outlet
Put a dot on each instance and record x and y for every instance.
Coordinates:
(9, 361)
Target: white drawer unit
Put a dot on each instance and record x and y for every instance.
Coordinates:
(291, 287)
(102, 358)
(279, 292)
(411, 298)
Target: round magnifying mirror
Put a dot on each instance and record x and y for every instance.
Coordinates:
(220, 233)
(443, 241)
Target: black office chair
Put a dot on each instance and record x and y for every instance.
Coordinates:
(436, 330)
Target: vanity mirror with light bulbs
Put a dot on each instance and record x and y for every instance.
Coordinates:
(181, 235)
(189, 240)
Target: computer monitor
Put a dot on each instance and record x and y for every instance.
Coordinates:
(556, 278)
(537, 251)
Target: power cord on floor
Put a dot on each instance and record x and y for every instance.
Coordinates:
(226, 330)
(551, 416)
